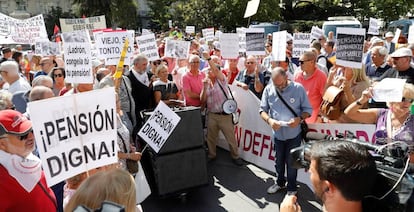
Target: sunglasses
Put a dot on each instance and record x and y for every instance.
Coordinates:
(408, 100)
(24, 137)
(58, 75)
(156, 63)
(303, 61)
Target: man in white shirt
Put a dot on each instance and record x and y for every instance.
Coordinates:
(9, 71)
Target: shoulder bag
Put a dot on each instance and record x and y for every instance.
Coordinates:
(331, 100)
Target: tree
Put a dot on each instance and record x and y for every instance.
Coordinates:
(53, 18)
(118, 13)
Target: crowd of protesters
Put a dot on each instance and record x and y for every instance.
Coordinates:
(201, 81)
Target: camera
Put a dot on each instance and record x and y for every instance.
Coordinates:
(393, 186)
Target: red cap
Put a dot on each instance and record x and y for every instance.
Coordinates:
(13, 122)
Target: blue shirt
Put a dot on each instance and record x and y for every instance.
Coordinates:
(295, 95)
(249, 81)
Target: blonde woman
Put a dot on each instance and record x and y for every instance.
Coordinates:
(353, 81)
(115, 185)
(164, 89)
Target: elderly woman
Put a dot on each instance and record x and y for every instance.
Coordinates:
(164, 89)
(6, 100)
(353, 81)
(58, 75)
(392, 124)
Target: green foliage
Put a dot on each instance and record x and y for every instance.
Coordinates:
(53, 18)
(118, 13)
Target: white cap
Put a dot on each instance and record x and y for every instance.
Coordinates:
(389, 35)
(289, 37)
(402, 52)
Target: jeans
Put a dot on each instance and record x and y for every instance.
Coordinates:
(283, 158)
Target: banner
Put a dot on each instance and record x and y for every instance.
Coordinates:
(373, 26)
(301, 42)
(254, 136)
(78, 133)
(90, 23)
(148, 46)
(229, 43)
(279, 45)
(159, 126)
(27, 31)
(109, 45)
(241, 32)
(349, 46)
(78, 57)
(177, 49)
(208, 33)
(190, 29)
(316, 33)
(47, 48)
(255, 38)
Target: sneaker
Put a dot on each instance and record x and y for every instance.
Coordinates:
(238, 162)
(291, 193)
(275, 188)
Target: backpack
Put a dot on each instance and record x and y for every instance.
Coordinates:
(328, 63)
(330, 106)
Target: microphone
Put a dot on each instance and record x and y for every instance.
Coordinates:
(318, 136)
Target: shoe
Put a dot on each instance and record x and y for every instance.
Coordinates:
(275, 188)
(238, 162)
(291, 193)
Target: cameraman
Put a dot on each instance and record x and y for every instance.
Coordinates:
(342, 174)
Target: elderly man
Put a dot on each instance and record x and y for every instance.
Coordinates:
(9, 71)
(390, 45)
(314, 81)
(21, 98)
(285, 124)
(251, 78)
(47, 64)
(401, 68)
(379, 66)
(215, 92)
(23, 185)
(192, 82)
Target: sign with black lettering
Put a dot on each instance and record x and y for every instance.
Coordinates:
(301, 42)
(148, 46)
(76, 133)
(89, 23)
(159, 126)
(25, 31)
(78, 57)
(350, 44)
(109, 45)
(255, 41)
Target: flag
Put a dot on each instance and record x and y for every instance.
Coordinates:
(56, 34)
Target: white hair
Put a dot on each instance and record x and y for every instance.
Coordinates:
(11, 67)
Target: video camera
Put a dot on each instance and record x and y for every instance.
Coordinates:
(393, 186)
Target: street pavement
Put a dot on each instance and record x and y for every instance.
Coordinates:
(231, 188)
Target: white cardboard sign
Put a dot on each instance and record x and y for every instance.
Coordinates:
(109, 45)
(229, 43)
(148, 46)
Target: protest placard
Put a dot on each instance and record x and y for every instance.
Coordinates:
(251, 8)
(316, 33)
(411, 34)
(229, 43)
(170, 23)
(46, 48)
(396, 35)
(159, 126)
(255, 38)
(373, 26)
(76, 134)
(148, 46)
(241, 32)
(208, 33)
(177, 49)
(190, 29)
(349, 46)
(301, 42)
(89, 23)
(25, 31)
(279, 45)
(78, 58)
(109, 45)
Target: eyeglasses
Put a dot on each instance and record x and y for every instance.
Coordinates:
(303, 61)
(408, 100)
(58, 75)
